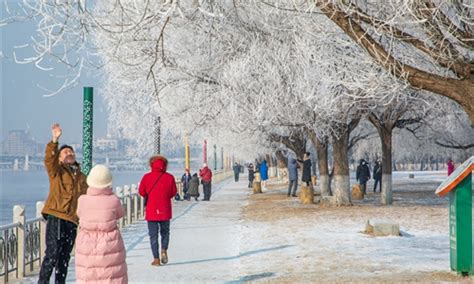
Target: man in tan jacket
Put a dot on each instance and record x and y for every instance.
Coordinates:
(67, 183)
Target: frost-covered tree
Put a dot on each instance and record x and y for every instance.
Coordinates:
(427, 43)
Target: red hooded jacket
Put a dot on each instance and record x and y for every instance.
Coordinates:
(158, 206)
(205, 174)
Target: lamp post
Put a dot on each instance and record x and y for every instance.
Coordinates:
(157, 136)
(215, 157)
(87, 129)
(222, 158)
(186, 154)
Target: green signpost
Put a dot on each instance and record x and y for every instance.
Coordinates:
(87, 133)
(459, 187)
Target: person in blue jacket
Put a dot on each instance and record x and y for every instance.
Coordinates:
(264, 173)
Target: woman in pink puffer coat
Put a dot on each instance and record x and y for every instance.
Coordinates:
(100, 252)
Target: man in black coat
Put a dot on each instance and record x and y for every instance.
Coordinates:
(251, 174)
(377, 172)
(306, 177)
(363, 174)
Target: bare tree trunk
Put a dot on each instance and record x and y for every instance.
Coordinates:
(322, 152)
(385, 132)
(341, 185)
(282, 164)
(386, 137)
(282, 160)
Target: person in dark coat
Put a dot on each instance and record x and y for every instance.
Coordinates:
(363, 174)
(251, 174)
(194, 187)
(450, 167)
(236, 169)
(377, 172)
(206, 178)
(292, 176)
(185, 179)
(306, 169)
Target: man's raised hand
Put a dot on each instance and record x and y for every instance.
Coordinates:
(56, 132)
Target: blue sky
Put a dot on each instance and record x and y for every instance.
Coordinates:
(23, 104)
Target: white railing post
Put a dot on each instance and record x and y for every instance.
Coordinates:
(42, 228)
(142, 204)
(119, 192)
(128, 209)
(135, 202)
(19, 216)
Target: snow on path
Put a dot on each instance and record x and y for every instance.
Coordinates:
(204, 241)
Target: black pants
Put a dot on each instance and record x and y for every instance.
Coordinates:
(207, 190)
(250, 183)
(376, 182)
(163, 228)
(294, 184)
(236, 176)
(363, 186)
(60, 238)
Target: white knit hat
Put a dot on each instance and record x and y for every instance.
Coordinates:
(99, 177)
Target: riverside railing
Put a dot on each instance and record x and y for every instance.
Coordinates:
(23, 242)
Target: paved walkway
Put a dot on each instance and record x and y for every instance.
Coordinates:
(204, 241)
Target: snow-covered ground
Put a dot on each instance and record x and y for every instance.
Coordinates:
(238, 237)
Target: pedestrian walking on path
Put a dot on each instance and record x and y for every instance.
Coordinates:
(66, 184)
(194, 187)
(292, 177)
(363, 174)
(306, 177)
(185, 181)
(251, 176)
(100, 252)
(206, 178)
(377, 173)
(450, 167)
(236, 170)
(158, 187)
(264, 173)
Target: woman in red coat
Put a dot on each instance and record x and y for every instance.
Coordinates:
(159, 187)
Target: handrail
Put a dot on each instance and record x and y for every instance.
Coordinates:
(9, 226)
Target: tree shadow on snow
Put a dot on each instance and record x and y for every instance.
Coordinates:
(252, 277)
(231, 257)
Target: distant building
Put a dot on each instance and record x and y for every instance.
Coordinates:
(20, 143)
(113, 146)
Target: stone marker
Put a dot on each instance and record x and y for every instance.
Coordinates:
(307, 194)
(382, 228)
(357, 193)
